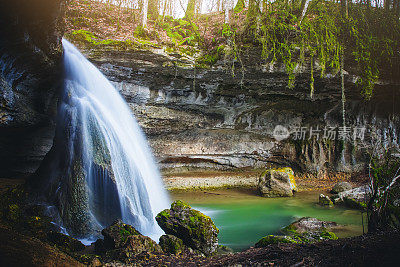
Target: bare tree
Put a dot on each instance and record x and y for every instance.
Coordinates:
(227, 8)
(144, 13)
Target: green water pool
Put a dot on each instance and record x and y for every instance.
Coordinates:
(243, 217)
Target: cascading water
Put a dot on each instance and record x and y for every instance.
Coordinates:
(105, 169)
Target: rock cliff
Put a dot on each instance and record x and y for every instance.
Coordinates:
(30, 72)
(206, 118)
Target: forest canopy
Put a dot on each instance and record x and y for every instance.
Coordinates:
(361, 37)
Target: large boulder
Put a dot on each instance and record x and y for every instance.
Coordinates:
(195, 229)
(274, 239)
(30, 78)
(116, 235)
(124, 243)
(308, 224)
(65, 242)
(304, 230)
(341, 187)
(361, 193)
(356, 198)
(277, 183)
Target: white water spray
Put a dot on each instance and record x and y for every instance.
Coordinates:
(106, 124)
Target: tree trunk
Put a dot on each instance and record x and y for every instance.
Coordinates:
(153, 9)
(304, 9)
(252, 12)
(190, 9)
(345, 8)
(239, 6)
(227, 8)
(144, 13)
(197, 9)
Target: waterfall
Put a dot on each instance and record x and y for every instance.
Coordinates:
(105, 169)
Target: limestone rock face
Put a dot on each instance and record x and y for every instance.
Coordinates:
(216, 123)
(195, 229)
(340, 187)
(277, 183)
(30, 78)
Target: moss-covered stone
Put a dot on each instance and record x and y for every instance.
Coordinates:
(195, 229)
(116, 235)
(124, 243)
(223, 250)
(309, 230)
(325, 201)
(354, 204)
(341, 187)
(277, 183)
(272, 239)
(171, 244)
(65, 242)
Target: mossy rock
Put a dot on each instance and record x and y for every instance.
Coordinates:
(171, 244)
(124, 243)
(116, 235)
(325, 201)
(277, 183)
(223, 250)
(195, 229)
(354, 204)
(274, 239)
(310, 230)
(307, 224)
(65, 242)
(40, 226)
(89, 259)
(136, 248)
(341, 187)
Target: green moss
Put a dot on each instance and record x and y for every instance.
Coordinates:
(239, 6)
(271, 239)
(352, 203)
(64, 242)
(290, 229)
(14, 212)
(140, 32)
(87, 258)
(171, 244)
(328, 235)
